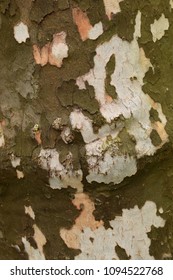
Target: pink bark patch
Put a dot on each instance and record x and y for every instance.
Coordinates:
(82, 21)
(53, 52)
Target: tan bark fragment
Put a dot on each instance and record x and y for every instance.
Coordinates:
(86, 219)
(53, 52)
(82, 21)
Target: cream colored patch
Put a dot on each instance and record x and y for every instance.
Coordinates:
(112, 7)
(159, 27)
(53, 52)
(129, 231)
(15, 161)
(95, 31)
(171, 3)
(30, 212)
(39, 238)
(137, 33)
(20, 174)
(2, 139)
(21, 32)
(35, 254)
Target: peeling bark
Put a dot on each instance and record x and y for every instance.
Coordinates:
(86, 128)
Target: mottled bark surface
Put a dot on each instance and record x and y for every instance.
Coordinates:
(86, 129)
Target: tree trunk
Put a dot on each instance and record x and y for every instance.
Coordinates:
(86, 129)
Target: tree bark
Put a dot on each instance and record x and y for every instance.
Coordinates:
(86, 129)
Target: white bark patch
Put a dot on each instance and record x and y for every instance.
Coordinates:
(112, 7)
(67, 135)
(159, 27)
(171, 3)
(111, 168)
(29, 211)
(21, 32)
(15, 161)
(61, 175)
(137, 33)
(95, 31)
(2, 141)
(39, 238)
(57, 124)
(129, 231)
(103, 156)
(60, 51)
(35, 254)
(131, 103)
(83, 124)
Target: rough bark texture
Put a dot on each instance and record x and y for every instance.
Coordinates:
(86, 129)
